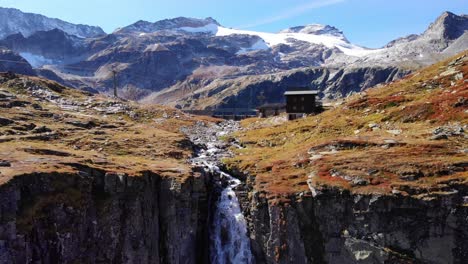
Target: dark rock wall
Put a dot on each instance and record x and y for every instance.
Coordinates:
(103, 218)
(98, 217)
(338, 227)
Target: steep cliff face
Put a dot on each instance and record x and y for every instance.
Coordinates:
(337, 227)
(98, 217)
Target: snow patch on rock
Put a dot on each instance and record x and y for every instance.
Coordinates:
(210, 28)
(259, 45)
(274, 39)
(36, 60)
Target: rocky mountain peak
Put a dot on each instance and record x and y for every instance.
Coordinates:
(181, 22)
(315, 29)
(13, 21)
(169, 24)
(448, 26)
(406, 39)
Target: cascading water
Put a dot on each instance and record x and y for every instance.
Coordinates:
(229, 242)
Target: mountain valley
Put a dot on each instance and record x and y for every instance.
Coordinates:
(379, 175)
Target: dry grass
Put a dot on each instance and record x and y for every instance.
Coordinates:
(140, 139)
(339, 149)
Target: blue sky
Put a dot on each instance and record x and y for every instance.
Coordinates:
(370, 23)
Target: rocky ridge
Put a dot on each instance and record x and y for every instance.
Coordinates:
(167, 24)
(14, 21)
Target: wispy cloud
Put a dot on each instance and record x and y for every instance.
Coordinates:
(292, 12)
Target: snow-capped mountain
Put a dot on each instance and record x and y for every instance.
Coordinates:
(14, 21)
(445, 37)
(167, 24)
(315, 29)
(290, 37)
(325, 35)
(198, 63)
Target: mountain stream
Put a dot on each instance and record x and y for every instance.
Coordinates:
(229, 241)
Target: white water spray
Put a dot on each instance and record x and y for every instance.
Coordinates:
(229, 240)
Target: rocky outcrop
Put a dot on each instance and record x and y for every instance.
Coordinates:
(339, 227)
(98, 217)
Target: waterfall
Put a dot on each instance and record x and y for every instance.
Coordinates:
(229, 240)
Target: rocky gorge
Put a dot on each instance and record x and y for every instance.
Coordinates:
(336, 226)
